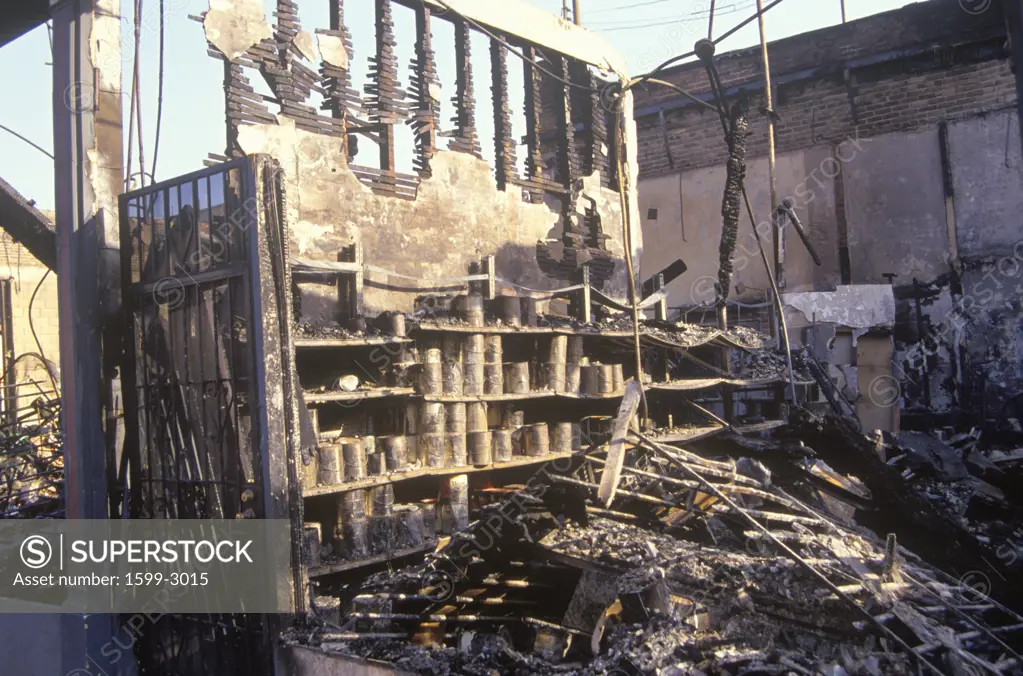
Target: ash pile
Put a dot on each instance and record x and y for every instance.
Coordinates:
(729, 556)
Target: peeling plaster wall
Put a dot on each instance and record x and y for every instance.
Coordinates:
(895, 206)
(458, 216)
(861, 306)
(700, 192)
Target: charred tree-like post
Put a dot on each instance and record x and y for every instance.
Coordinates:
(735, 173)
(385, 94)
(504, 144)
(465, 139)
(425, 84)
(534, 160)
(341, 98)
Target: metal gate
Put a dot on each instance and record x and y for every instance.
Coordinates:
(209, 420)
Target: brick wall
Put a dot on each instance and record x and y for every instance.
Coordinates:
(25, 274)
(897, 71)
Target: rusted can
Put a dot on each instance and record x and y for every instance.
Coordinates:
(618, 377)
(431, 449)
(605, 379)
(509, 309)
(395, 451)
(431, 378)
(480, 448)
(330, 471)
(429, 508)
(476, 416)
(561, 437)
(589, 383)
(355, 460)
(455, 451)
(516, 378)
(528, 308)
(537, 440)
(470, 308)
(432, 417)
(502, 445)
(381, 500)
(311, 543)
(454, 417)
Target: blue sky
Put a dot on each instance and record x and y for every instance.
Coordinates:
(646, 31)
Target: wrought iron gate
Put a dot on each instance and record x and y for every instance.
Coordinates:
(208, 383)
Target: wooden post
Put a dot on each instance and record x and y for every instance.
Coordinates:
(616, 450)
(350, 284)
(662, 304)
(585, 304)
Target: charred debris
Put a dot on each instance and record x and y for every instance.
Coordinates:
(671, 544)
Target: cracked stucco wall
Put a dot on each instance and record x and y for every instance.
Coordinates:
(458, 215)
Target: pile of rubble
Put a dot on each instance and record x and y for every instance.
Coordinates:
(32, 463)
(730, 556)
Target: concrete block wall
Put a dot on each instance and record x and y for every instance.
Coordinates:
(25, 274)
(898, 140)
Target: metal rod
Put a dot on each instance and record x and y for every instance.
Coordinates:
(711, 488)
(576, 16)
(771, 159)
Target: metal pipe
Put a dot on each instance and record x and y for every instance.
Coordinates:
(771, 159)
(576, 16)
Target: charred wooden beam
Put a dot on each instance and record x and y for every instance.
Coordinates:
(533, 105)
(568, 158)
(465, 139)
(599, 155)
(425, 83)
(340, 97)
(504, 143)
(27, 225)
(386, 97)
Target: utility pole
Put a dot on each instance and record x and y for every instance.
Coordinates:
(576, 16)
(87, 151)
(843, 9)
(564, 9)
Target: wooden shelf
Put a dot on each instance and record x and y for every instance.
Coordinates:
(358, 395)
(512, 330)
(331, 569)
(306, 343)
(383, 392)
(518, 461)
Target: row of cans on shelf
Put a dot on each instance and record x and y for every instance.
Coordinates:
(370, 523)
(444, 441)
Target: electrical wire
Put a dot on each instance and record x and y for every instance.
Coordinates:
(748, 21)
(675, 87)
(616, 9)
(515, 51)
(675, 59)
(660, 21)
(34, 145)
(35, 336)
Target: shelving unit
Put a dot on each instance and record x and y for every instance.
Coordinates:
(449, 394)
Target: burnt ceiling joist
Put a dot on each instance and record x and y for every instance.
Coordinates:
(27, 225)
(18, 18)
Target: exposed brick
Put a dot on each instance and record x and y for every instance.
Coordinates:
(912, 68)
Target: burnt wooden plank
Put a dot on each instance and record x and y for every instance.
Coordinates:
(504, 144)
